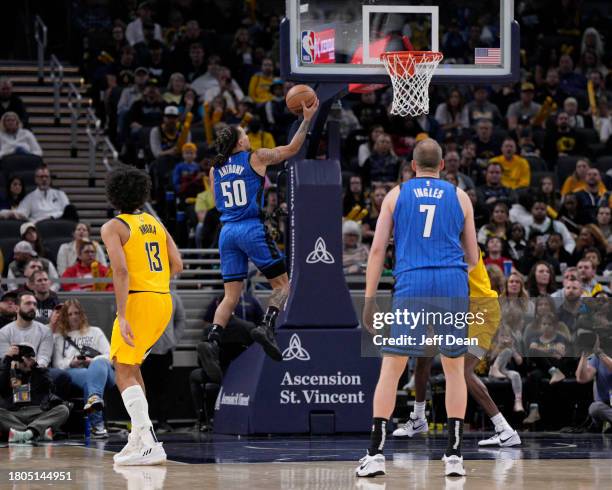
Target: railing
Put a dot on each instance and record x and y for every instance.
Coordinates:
(57, 79)
(75, 101)
(40, 35)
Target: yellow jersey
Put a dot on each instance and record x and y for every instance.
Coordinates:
(146, 253)
(479, 282)
(484, 304)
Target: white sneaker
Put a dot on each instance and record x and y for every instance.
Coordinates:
(453, 466)
(149, 478)
(371, 465)
(144, 456)
(506, 438)
(411, 427)
(133, 445)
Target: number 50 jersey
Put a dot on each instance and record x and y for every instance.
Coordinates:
(428, 223)
(146, 253)
(238, 189)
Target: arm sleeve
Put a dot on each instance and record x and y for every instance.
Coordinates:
(62, 258)
(568, 241)
(45, 350)
(12, 285)
(5, 342)
(25, 206)
(52, 272)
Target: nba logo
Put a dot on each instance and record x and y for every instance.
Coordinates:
(308, 47)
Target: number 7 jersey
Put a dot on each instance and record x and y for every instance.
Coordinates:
(428, 223)
(238, 189)
(146, 253)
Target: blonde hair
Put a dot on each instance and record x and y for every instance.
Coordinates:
(63, 325)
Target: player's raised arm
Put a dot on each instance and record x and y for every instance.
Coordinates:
(271, 156)
(114, 235)
(382, 234)
(468, 237)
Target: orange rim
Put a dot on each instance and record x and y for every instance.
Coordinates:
(419, 56)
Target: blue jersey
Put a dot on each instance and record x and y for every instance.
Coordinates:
(239, 190)
(428, 222)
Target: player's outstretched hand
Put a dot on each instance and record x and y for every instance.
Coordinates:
(309, 112)
(370, 308)
(126, 332)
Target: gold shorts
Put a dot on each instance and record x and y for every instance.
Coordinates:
(148, 314)
(489, 311)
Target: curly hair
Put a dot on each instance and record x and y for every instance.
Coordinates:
(226, 141)
(63, 323)
(127, 188)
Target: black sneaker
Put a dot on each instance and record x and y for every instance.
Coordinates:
(264, 335)
(208, 352)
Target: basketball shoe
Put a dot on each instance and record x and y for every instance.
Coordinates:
(371, 466)
(413, 426)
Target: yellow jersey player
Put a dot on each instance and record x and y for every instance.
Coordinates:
(143, 258)
(484, 304)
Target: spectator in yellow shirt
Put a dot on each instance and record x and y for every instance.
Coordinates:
(259, 85)
(258, 137)
(516, 172)
(577, 181)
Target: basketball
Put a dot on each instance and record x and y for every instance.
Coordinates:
(297, 95)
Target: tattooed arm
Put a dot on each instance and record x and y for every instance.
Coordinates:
(270, 156)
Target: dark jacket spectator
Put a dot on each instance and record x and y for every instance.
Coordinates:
(10, 102)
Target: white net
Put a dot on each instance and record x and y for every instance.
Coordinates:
(410, 74)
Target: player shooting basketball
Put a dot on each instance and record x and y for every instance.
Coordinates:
(432, 223)
(237, 178)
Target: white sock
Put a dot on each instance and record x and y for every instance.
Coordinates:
(137, 407)
(419, 410)
(500, 423)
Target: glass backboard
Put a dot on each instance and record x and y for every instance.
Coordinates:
(341, 40)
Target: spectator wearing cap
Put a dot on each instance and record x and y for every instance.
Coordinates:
(29, 233)
(86, 266)
(8, 308)
(30, 410)
(516, 172)
(185, 171)
(134, 33)
(67, 253)
(11, 102)
(226, 87)
(46, 298)
(482, 108)
(46, 202)
(148, 111)
(164, 137)
(525, 107)
(588, 198)
(259, 85)
(22, 254)
(14, 139)
(134, 92)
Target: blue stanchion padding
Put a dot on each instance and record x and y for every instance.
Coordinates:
(322, 372)
(319, 296)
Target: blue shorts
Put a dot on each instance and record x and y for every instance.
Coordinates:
(439, 297)
(244, 240)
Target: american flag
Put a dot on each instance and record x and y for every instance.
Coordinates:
(487, 56)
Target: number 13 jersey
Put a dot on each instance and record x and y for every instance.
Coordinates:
(146, 253)
(239, 190)
(428, 222)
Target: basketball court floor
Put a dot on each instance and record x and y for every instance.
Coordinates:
(545, 460)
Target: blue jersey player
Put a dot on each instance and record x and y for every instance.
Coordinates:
(237, 179)
(432, 224)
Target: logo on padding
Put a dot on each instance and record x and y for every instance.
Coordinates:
(295, 350)
(320, 254)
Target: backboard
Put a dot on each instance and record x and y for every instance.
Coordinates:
(341, 40)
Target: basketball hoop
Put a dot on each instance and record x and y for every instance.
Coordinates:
(410, 73)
